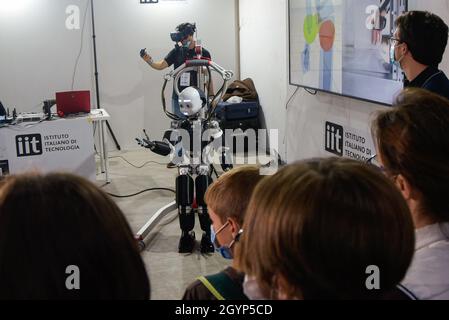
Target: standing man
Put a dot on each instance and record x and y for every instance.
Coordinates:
(418, 45)
(184, 50)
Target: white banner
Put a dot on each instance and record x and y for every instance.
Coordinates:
(61, 145)
(348, 142)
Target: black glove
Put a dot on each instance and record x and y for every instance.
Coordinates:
(143, 52)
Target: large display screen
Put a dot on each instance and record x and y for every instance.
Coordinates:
(343, 47)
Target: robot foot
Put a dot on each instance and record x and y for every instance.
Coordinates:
(206, 244)
(187, 242)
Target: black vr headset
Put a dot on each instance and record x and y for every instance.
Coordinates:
(183, 31)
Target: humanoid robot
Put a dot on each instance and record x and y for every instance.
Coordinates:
(198, 125)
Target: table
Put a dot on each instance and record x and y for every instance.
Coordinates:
(62, 144)
(102, 116)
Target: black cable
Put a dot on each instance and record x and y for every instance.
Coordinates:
(310, 91)
(138, 167)
(291, 98)
(140, 192)
(81, 46)
(133, 165)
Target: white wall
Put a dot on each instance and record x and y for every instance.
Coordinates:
(130, 89)
(37, 54)
(264, 57)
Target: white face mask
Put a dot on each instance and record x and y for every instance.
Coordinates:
(251, 289)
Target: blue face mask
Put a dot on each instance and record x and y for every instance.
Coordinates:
(225, 251)
(393, 59)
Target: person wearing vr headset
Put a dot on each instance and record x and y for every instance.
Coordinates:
(184, 50)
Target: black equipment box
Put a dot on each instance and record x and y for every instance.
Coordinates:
(242, 115)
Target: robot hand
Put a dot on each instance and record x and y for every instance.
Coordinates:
(159, 147)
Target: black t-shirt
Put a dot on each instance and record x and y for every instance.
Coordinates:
(178, 56)
(433, 80)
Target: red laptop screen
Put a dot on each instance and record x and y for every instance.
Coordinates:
(72, 102)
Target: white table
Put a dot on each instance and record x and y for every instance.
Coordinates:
(101, 116)
(62, 144)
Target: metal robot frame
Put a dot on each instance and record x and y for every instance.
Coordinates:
(185, 185)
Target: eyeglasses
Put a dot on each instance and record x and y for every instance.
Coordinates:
(394, 41)
(374, 161)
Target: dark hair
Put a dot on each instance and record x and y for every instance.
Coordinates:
(425, 34)
(320, 224)
(413, 140)
(230, 194)
(51, 222)
(187, 28)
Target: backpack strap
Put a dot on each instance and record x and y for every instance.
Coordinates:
(407, 292)
(222, 287)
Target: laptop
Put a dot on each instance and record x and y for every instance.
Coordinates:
(72, 102)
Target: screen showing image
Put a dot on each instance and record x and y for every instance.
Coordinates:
(343, 47)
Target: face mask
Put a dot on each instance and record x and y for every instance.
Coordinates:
(225, 251)
(251, 289)
(393, 59)
(186, 44)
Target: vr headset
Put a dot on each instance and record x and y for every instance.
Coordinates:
(183, 31)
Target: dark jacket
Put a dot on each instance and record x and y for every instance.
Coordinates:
(244, 89)
(433, 80)
(234, 287)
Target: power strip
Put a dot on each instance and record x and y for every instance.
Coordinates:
(30, 117)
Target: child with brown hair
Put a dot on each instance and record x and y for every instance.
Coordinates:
(227, 200)
(413, 149)
(325, 229)
(62, 238)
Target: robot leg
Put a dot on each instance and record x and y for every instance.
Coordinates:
(202, 182)
(184, 200)
(226, 160)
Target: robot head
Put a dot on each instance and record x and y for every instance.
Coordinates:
(191, 101)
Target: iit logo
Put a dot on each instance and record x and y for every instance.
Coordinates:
(29, 145)
(334, 138)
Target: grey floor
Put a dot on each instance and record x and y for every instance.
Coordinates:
(170, 273)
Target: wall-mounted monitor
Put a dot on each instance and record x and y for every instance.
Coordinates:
(343, 47)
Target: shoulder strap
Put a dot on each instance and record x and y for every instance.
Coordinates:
(407, 292)
(222, 287)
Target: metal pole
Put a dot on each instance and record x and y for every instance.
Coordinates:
(96, 73)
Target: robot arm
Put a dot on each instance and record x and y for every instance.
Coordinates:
(159, 147)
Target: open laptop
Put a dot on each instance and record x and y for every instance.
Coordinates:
(72, 102)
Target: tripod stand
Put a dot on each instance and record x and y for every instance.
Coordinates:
(96, 73)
